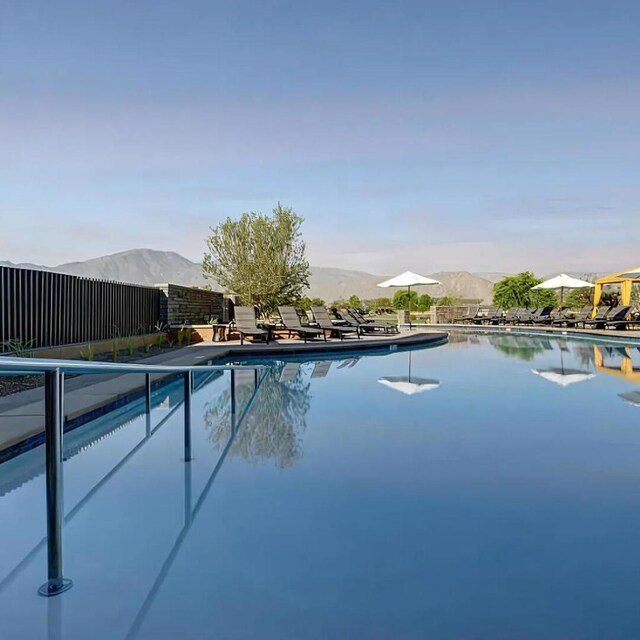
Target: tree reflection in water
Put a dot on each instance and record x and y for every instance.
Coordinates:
(524, 347)
(273, 427)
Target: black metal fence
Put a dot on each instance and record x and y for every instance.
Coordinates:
(46, 309)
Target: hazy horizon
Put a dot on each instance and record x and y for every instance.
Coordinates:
(417, 135)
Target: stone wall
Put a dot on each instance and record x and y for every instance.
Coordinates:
(190, 305)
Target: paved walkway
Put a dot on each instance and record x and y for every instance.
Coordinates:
(22, 414)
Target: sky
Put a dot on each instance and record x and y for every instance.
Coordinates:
(428, 135)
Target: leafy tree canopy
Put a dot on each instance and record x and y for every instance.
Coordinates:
(260, 258)
(377, 303)
(516, 291)
(401, 299)
(448, 301)
(354, 302)
(306, 303)
(424, 302)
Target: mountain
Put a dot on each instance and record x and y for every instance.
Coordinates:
(461, 284)
(23, 265)
(139, 266)
(147, 266)
(492, 276)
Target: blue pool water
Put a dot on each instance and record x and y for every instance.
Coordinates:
(488, 488)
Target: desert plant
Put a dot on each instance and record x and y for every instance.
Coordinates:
(160, 334)
(115, 348)
(87, 353)
(18, 347)
(146, 345)
(129, 345)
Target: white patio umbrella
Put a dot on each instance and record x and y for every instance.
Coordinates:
(562, 282)
(408, 279)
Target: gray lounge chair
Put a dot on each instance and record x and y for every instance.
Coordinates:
(494, 317)
(246, 324)
(600, 320)
(545, 316)
(510, 317)
(580, 318)
(367, 326)
(470, 317)
(619, 318)
(326, 324)
(291, 323)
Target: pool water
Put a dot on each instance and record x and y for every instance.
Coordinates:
(488, 488)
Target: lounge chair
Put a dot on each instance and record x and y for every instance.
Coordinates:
(292, 324)
(246, 324)
(304, 317)
(526, 316)
(358, 316)
(326, 324)
(544, 316)
(511, 316)
(470, 317)
(367, 326)
(618, 318)
(600, 320)
(578, 319)
(494, 317)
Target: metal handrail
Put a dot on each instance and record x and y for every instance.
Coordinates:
(13, 365)
(54, 373)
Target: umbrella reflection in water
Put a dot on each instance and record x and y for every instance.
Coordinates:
(408, 384)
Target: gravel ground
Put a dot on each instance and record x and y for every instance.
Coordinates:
(15, 384)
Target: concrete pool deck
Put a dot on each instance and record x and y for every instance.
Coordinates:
(22, 414)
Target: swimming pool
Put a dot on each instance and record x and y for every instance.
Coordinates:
(486, 488)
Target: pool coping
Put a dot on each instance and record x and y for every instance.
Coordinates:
(603, 336)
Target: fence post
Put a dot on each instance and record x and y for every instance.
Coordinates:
(54, 389)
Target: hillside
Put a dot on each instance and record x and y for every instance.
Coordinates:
(147, 266)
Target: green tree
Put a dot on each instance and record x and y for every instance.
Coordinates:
(260, 258)
(401, 300)
(377, 303)
(354, 302)
(424, 302)
(447, 301)
(306, 303)
(578, 298)
(516, 291)
(340, 303)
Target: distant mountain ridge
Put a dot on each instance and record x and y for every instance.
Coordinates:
(149, 266)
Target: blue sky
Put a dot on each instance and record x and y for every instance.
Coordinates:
(486, 136)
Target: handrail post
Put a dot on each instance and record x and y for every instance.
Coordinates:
(54, 423)
(233, 401)
(147, 391)
(187, 376)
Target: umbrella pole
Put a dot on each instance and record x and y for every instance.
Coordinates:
(409, 292)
